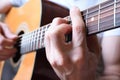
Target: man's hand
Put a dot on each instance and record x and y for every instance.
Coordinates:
(7, 42)
(69, 60)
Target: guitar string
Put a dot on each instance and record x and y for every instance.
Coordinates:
(43, 29)
(45, 26)
(95, 11)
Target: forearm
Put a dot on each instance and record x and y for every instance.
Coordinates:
(111, 74)
(5, 5)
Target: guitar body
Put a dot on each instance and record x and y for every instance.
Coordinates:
(34, 14)
(22, 20)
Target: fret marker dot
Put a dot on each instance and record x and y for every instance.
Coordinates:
(92, 19)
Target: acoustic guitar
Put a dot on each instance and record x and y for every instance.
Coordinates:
(25, 22)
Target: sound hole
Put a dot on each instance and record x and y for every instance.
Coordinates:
(18, 55)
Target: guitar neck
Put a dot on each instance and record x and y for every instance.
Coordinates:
(99, 18)
(102, 17)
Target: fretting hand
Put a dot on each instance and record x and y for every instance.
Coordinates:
(68, 60)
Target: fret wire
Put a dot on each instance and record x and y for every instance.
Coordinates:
(32, 42)
(42, 44)
(93, 9)
(36, 39)
(89, 12)
(107, 4)
(107, 26)
(86, 14)
(118, 16)
(93, 16)
(103, 7)
(99, 9)
(40, 36)
(37, 36)
(109, 19)
(114, 13)
(110, 8)
(86, 17)
(99, 18)
(117, 3)
(89, 16)
(108, 13)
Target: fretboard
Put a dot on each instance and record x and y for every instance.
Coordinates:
(102, 17)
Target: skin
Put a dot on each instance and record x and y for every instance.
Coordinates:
(65, 57)
(74, 55)
(111, 57)
(7, 38)
(5, 6)
(7, 41)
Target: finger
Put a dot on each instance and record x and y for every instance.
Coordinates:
(5, 54)
(60, 27)
(57, 37)
(55, 22)
(6, 31)
(58, 21)
(6, 42)
(61, 65)
(55, 42)
(47, 46)
(78, 26)
(8, 52)
(5, 57)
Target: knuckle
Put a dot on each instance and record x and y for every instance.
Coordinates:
(50, 34)
(64, 24)
(59, 63)
(53, 63)
(57, 20)
(79, 59)
(53, 34)
(79, 29)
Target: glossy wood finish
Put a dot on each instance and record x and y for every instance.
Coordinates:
(30, 15)
(42, 69)
(27, 18)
